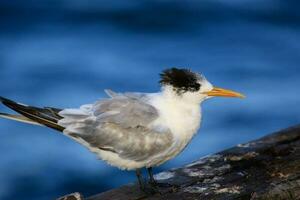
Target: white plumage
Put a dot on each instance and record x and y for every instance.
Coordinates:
(176, 115)
(132, 130)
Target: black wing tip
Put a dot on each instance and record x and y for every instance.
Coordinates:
(45, 116)
(3, 99)
(4, 114)
(9, 103)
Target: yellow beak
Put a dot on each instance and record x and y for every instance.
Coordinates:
(223, 93)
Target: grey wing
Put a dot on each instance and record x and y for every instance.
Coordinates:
(125, 111)
(120, 125)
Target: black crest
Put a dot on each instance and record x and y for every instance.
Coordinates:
(181, 79)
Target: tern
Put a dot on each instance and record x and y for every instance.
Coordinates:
(132, 130)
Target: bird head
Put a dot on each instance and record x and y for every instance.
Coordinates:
(184, 83)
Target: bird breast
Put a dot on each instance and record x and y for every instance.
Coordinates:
(183, 120)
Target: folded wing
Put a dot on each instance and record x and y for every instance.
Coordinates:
(120, 124)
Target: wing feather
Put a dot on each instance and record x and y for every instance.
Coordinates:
(46, 116)
(120, 124)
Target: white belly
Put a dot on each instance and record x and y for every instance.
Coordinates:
(183, 126)
(182, 119)
(113, 159)
(179, 144)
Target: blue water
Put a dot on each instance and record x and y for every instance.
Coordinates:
(63, 53)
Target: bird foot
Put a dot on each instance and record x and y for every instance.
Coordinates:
(160, 188)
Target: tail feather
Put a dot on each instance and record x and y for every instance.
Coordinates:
(19, 118)
(44, 116)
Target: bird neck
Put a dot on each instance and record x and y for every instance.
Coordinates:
(181, 115)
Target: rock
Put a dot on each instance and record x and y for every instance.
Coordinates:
(267, 168)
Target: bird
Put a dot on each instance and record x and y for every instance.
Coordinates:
(132, 130)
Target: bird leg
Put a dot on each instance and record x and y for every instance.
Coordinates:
(154, 184)
(140, 179)
(149, 191)
(152, 181)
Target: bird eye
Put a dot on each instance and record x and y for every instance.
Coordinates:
(197, 86)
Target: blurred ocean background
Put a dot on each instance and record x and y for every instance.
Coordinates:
(63, 53)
